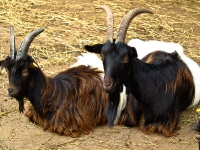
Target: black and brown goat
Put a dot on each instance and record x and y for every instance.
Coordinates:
(163, 87)
(71, 103)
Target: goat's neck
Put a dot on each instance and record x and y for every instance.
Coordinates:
(37, 84)
(139, 67)
(139, 74)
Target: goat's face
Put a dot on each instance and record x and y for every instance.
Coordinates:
(18, 65)
(116, 61)
(116, 54)
(18, 75)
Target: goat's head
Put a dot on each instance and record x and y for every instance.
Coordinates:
(116, 54)
(18, 65)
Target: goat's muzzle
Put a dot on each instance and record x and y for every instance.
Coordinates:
(13, 92)
(10, 90)
(108, 85)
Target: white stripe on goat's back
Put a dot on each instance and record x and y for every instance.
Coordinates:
(195, 70)
(145, 47)
(89, 59)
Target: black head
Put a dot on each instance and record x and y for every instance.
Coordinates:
(117, 60)
(18, 74)
(19, 66)
(116, 54)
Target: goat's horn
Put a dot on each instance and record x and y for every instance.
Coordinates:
(109, 19)
(12, 43)
(125, 22)
(23, 49)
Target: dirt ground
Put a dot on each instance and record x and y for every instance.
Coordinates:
(69, 25)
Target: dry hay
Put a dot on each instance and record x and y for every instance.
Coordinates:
(68, 30)
(69, 25)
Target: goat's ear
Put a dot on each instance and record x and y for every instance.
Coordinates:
(33, 65)
(134, 52)
(94, 48)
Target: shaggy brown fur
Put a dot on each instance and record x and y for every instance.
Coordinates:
(71, 103)
(79, 110)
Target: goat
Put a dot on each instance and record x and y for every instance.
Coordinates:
(71, 103)
(164, 83)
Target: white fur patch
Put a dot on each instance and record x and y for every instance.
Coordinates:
(195, 70)
(90, 59)
(145, 47)
(122, 104)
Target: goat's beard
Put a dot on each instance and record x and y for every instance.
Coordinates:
(21, 104)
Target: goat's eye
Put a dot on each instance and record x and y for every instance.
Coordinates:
(25, 72)
(125, 59)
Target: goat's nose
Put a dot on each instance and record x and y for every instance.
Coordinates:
(10, 90)
(108, 83)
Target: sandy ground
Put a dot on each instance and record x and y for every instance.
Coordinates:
(69, 26)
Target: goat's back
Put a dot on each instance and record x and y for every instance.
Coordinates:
(73, 102)
(148, 47)
(169, 80)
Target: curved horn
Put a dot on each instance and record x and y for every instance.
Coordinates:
(125, 22)
(23, 49)
(109, 19)
(12, 43)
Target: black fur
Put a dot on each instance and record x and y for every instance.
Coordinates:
(163, 87)
(19, 81)
(111, 109)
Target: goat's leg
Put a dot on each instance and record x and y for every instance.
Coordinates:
(146, 123)
(164, 125)
(169, 124)
(132, 113)
(33, 116)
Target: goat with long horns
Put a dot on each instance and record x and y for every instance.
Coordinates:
(163, 87)
(70, 103)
